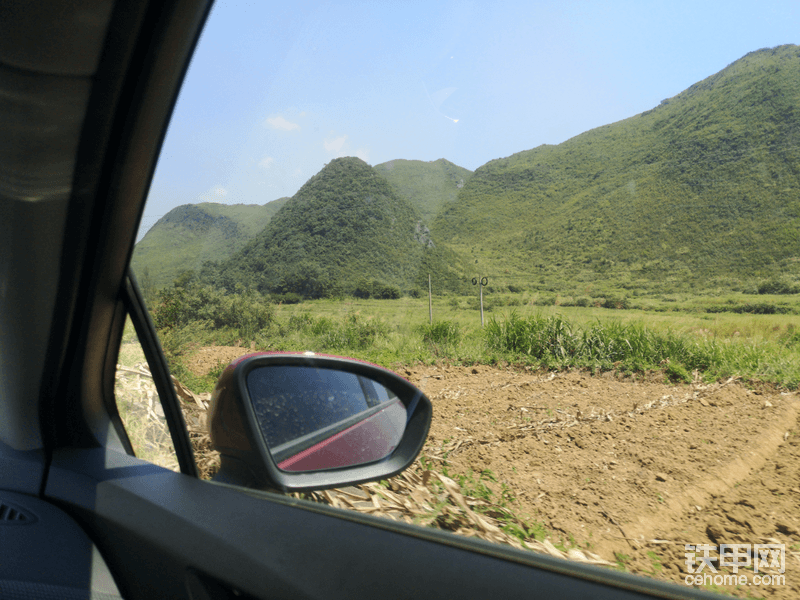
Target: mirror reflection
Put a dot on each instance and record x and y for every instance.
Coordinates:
(314, 418)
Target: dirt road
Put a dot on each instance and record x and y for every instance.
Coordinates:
(630, 470)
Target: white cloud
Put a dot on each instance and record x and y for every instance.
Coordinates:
(266, 162)
(363, 154)
(281, 124)
(335, 145)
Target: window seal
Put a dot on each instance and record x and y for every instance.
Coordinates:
(143, 324)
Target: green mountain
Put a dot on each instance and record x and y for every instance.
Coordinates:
(427, 185)
(345, 228)
(188, 235)
(702, 190)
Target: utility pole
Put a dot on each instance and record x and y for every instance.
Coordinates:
(480, 283)
(430, 299)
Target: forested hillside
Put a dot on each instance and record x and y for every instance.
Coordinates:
(345, 231)
(427, 185)
(704, 189)
(190, 234)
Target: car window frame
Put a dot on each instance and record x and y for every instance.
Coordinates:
(133, 306)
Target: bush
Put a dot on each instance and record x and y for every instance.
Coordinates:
(376, 289)
(299, 322)
(351, 334)
(363, 289)
(177, 307)
(775, 286)
(546, 300)
(287, 298)
(441, 332)
(385, 291)
(614, 302)
(761, 308)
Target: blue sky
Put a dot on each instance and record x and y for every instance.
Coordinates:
(275, 91)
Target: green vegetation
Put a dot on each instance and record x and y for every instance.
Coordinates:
(191, 234)
(397, 332)
(428, 186)
(698, 193)
(667, 241)
(344, 223)
(622, 561)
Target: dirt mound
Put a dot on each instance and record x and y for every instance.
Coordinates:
(205, 360)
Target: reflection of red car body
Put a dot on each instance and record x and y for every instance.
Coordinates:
(366, 441)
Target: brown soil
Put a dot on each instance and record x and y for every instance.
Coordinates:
(204, 360)
(629, 470)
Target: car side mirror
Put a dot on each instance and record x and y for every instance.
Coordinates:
(300, 422)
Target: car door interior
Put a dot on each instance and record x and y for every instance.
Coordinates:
(80, 516)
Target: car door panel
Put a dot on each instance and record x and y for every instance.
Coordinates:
(157, 527)
(44, 553)
(21, 470)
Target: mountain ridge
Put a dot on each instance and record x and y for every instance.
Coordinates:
(681, 189)
(702, 190)
(427, 185)
(344, 227)
(191, 234)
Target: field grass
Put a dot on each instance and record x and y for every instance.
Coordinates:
(671, 335)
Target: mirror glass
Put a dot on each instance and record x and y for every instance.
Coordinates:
(314, 418)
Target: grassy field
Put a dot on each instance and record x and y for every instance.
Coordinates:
(671, 334)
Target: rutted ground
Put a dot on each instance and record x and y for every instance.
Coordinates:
(631, 470)
(628, 470)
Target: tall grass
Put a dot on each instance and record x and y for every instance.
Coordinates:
(393, 333)
(441, 332)
(553, 342)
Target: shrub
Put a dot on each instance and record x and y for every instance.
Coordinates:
(761, 308)
(385, 291)
(287, 298)
(615, 302)
(776, 286)
(351, 334)
(177, 307)
(299, 322)
(546, 300)
(363, 289)
(441, 332)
